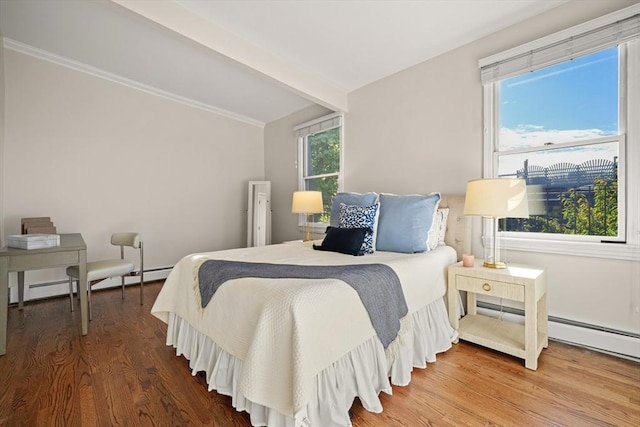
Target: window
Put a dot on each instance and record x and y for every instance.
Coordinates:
(557, 115)
(320, 159)
(559, 131)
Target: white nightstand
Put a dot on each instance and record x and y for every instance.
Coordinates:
(517, 282)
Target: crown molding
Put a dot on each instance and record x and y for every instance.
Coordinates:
(97, 72)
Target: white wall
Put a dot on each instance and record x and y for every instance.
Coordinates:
(99, 157)
(420, 130)
(280, 168)
(1, 141)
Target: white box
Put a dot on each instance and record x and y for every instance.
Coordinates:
(33, 241)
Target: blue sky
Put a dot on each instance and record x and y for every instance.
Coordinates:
(572, 101)
(575, 95)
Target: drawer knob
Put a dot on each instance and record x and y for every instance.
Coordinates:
(486, 287)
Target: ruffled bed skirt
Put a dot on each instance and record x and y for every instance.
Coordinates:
(364, 372)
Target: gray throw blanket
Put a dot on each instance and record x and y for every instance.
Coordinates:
(377, 285)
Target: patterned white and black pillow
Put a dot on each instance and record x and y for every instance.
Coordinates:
(350, 199)
(359, 217)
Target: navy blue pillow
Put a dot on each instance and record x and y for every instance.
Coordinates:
(343, 240)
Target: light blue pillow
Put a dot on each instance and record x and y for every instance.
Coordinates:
(404, 222)
(349, 199)
(360, 217)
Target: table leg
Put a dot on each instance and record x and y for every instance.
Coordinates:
(4, 302)
(472, 303)
(543, 327)
(20, 290)
(82, 290)
(530, 329)
(453, 304)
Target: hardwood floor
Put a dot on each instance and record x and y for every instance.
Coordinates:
(123, 374)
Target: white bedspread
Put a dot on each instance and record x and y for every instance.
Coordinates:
(286, 334)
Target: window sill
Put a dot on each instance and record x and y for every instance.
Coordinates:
(316, 227)
(317, 230)
(623, 251)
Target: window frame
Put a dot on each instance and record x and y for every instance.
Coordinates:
(628, 245)
(301, 161)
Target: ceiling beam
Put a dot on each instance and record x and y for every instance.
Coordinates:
(195, 27)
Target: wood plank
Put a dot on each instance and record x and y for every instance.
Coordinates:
(122, 373)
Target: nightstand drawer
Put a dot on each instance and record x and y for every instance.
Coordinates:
(492, 288)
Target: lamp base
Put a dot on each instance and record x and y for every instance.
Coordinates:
(492, 264)
(307, 234)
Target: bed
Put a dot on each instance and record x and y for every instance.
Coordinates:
(297, 351)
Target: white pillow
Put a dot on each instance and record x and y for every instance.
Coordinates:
(438, 229)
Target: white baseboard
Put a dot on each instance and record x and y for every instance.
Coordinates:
(61, 287)
(607, 342)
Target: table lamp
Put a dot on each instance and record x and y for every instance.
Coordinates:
(496, 198)
(307, 203)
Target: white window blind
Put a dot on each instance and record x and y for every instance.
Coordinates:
(581, 42)
(319, 125)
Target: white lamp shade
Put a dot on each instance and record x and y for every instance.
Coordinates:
(497, 198)
(307, 202)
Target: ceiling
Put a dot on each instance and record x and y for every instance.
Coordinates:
(253, 60)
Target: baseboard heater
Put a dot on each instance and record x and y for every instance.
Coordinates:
(57, 288)
(65, 281)
(599, 338)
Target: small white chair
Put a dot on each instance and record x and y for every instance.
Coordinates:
(98, 271)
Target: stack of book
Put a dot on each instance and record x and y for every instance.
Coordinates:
(38, 225)
(37, 233)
